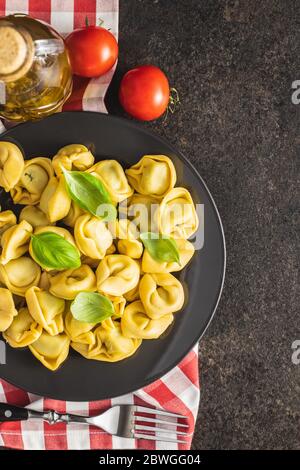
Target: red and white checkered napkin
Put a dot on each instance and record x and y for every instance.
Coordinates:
(178, 390)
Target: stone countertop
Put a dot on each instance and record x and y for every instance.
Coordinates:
(233, 63)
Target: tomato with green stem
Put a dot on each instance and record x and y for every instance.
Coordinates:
(93, 50)
(145, 93)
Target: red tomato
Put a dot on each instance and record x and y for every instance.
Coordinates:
(92, 50)
(144, 92)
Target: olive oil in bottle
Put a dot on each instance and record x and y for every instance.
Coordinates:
(35, 74)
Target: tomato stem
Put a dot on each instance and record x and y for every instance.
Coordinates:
(174, 102)
(101, 21)
(86, 21)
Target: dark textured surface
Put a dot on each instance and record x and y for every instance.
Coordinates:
(233, 63)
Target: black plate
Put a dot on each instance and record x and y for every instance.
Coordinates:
(79, 379)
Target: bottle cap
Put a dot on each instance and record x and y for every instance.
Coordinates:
(16, 52)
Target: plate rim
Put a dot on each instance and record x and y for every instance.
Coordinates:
(178, 152)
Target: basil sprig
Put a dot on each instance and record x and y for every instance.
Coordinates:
(160, 247)
(52, 251)
(91, 307)
(90, 194)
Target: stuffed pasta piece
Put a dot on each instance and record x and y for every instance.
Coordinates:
(67, 284)
(93, 262)
(7, 220)
(11, 165)
(34, 179)
(46, 309)
(133, 294)
(110, 344)
(55, 201)
(161, 294)
(177, 215)
(23, 331)
(51, 351)
(112, 175)
(128, 243)
(18, 275)
(140, 210)
(15, 241)
(7, 309)
(79, 331)
(135, 323)
(153, 175)
(73, 157)
(119, 306)
(34, 216)
(73, 214)
(44, 282)
(186, 251)
(92, 236)
(117, 274)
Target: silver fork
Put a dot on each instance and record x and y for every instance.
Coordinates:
(129, 421)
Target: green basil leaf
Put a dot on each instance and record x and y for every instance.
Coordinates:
(90, 194)
(160, 247)
(91, 307)
(52, 251)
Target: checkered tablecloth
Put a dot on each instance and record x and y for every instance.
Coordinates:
(178, 390)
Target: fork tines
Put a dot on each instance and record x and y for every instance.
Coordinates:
(167, 425)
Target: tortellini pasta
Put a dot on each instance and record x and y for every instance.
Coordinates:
(23, 331)
(112, 175)
(153, 175)
(11, 165)
(79, 331)
(92, 262)
(161, 294)
(110, 344)
(35, 177)
(44, 282)
(55, 201)
(186, 251)
(111, 249)
(73, 214)
(7, 219)
(117, 274)
(7, 309)
(15, 241)
(119, 306)
(73, 157)
(140, 210)
(128, 243)
(135, 323)
(20, 274)
(34, 216)
(177, 215)
(92, 236)
(46, 309)
(133, 294)
(51, 351)
(38, 304)
(67, 284)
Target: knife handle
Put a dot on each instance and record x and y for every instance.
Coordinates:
(12, 413)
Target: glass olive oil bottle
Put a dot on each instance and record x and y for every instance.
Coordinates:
(35, 74)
